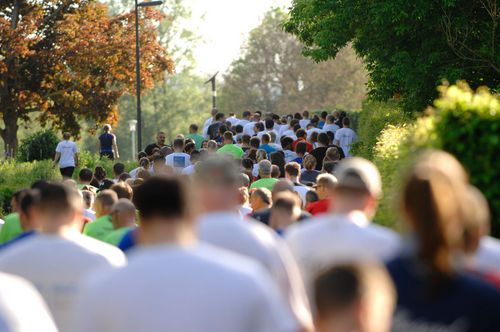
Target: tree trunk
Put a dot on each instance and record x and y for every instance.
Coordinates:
(9, 133)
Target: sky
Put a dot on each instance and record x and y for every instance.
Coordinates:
(224, 29)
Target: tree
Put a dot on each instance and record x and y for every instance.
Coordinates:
(68, 61)
(408, 47)
(273, 75)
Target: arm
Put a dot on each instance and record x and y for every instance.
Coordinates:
(76, 159)
(115, 148)
(56, 158)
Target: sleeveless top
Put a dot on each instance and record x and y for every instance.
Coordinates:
(106, 140)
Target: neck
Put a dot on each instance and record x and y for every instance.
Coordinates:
(58, 227)
(166, 232)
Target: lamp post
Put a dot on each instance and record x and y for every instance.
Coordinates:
(132, 124)
(214, 90)
(138, 67)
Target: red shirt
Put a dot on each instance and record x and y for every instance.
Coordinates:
(318, 207)
(309, 146)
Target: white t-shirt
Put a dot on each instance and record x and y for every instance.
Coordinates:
(190, 289)
(248, 129)
(331, 127)
(67, 149)
(234, 121)
(178, 160)
(488, 255)
(289, 133)
(243, 122)
(330, 239)
(302, 191)
(344, 138)
(188, 170)
(22, 309)
(313, 130)
(289, 155)
(207, 124)
(253, 239)
(303, 123)
(57, 267)
(260, 134)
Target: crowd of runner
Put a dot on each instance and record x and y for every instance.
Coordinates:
(262, 223)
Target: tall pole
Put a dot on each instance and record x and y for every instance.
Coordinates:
(214, 90)
(138, 79)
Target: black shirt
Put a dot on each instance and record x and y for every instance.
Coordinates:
(319, 154)
(149, 149)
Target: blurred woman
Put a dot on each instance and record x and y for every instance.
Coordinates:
(107, 144)
(434, 293)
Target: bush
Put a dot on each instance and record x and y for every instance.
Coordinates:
(38, 146)
(372, 119)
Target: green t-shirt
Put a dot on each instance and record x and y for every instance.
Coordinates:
(99, 228)
(116, 235)
(264, 183)
(11, 228)
(198, 140)
(232, 149)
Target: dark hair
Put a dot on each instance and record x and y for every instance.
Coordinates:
(85, 175)
(141, 155)
(311, 196)
(275, 171)
(247, 163)
(58, 197)
(323, 139)
(238, 129)
(266, 138)
(222, 129)
(28, 199)
(118, 168)
(301, 133)
(278, 158)
(219, 116)
(346, 122)
(296, 128)
(106, 184)
(228, 136)
(260, 126)
(123, 177)
(254, 142)
(246, 139)
(269, 124)
(193, 127)
(324, 114)
(297, 116)
(189, 147)
(292, 168)
(99, 173)
(179, 143)
(246, 114)
(286, 143)
(163, 197)
(301, 148)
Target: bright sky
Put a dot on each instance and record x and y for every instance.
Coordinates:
(225, 28)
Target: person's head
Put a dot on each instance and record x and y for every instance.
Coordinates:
(222, 130)
(165, 210)
(243, 180)
(245, 140)
(106, 128)
(220, 117)
(58, 208)
(336, 114)
(323, 139)
(212, 146)
(282, 185)
(261, 155)
(123, 214)
(292, 171)
(275, 172)
(215, 178)
(266, 139)
(124, 177)
(477, 220)
(346, 122)
(256, 116)
(27, 201)
(301, 133)
(104, 202)
(246, 115)
(354, 297)
(325, 185)
(301, 149)
(189, 147)
(313, 137)
(309, 162)
(118, 169)
(214, 112)
(258, 127)
(238, 129)
(99, 173)
(332, 154)
(255, 142)
(285, 211)
(287, 143)
(311, 197)
(330, 119)
(144, 174)
(193, 128)
(88, 199)
(328, 167)
(269, 123)
(323, 115)
(122, 190)
(179, 145)
(228, 137)
(358, 187)
(160, 138)
(85, 176)
(260, 199)
(265, 169)
(66, 136)
(305, 114)
(433, 207)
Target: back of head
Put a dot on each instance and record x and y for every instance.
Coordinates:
(193, 127)
(99, 173)
(255, 142)
(57, 199)
(266, 139)
(228, 137)
(282, 186)
(179, 144)
(433, 208)
(323, 139)
(287, 202)
(122, 190)
(361, 296)
(106, 128)
(301, 148)
(107, 198)
(265, 168)
(292, 169)
(269, 124)
(477, 219)
(219, 117)
(118, 169)
(301, 133)
(163, 198)
(309, 162)
(215, 172)
(346, 122)
(327, 180)
(286, 143)
(66, 136)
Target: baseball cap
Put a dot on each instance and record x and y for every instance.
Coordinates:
(358, 173)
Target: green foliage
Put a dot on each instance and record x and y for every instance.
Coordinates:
(408, 47)
(372, 119)
(38, 146)
(273, 75)
(90, 160)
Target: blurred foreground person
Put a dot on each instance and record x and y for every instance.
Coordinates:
(22, 309)
(221, 225)
(285, 211)
(357, 297)
(58, 259)
(346, 234)
(173, 283)
(433, 293)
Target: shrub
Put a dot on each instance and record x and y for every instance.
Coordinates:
(38, 146)
(372, 119)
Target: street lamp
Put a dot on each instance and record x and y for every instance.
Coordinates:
(132, 124)
(138, 67)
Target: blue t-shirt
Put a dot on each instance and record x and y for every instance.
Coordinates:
(266, 147)
(128, 241)
(467, 304)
